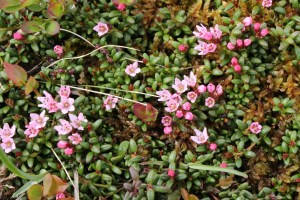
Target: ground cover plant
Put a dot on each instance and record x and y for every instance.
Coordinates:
(149, 99)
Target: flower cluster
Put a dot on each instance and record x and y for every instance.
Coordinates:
(6, 134)
(36, 124)
(213, 36)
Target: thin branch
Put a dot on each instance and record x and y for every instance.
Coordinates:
(78, 36)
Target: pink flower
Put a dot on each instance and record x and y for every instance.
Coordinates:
(182, 47)
(52, 106)
(201, 137)
(247, 42)
(62, 144)
(179, 113)
(31, 131)
(76, 121)
(216, 32)
(247, 21)
(180, 86)
(189, 116)
(171, 173)
(101, 28)
(202, 48)
(212, 146)
(8, 144)
(264, 32)
(223, 165)
(64, 91)
(7, 132)
(211, 88)
(132, 69)
(168, 130)
(66, 105)
(255, 127)
(192, 96)
(207, 36)
(230, 46)
(234, 61)
(39, 121)
(211, 47)
(166, 120)
(176, 97)
(239, 43)
(75, 138)
(69, 151)
(64, 127)
(219, 90)
(237, 68)
(172, 105)
(201, 31)
(266, 3)
(60, 196)
(201, 89)
(186, 106)
(110, 102)
(58, 49)
(191, 80)
(121, 7)
(256, 26)
(48, 103)
(164, 95)
(18, 36)
(210, 102)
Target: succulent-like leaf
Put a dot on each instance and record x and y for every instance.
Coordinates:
(52, 27)
(145, 113)
(55, 10)
(35, 192)
(47, 183)
(31, 85)
(32, 26)
(8, 3)
(15, 73)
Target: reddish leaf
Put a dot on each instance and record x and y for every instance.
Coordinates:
(15, 73)
(35, 192)
(47, 182)
(7, 3)
(55, 10)
(52, 27)
(145, 113)
(32, 26)
(58, 186)
(31, 85)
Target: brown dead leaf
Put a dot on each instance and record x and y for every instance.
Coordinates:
(226, 182)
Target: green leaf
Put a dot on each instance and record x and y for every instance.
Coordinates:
(215, 168)
(32, 26)
(52, 27)
(55, 10)
(15, 73)
(253, 138)
(35, 192)
(24, 188)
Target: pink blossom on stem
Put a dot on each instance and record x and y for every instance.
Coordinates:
(76, 121)
(121, 6)
(31, 131)
(164, 95)
(202, 48)
(207, 36)
(211, 88)
(255, 127)
(18, 36)
(239, 43)
(213, 146)
(191, 80)
(69, 151)
(216, 32)
(230, 46)
(186, 106)
(172, 105)
(219, 90)
(180, 86)
(64, 91)
(189, 116)
(256, 26)
(168, 130)
(8, 144)
(201, 31)
(101, 28)
(60, 196)
(166, 120)
(179, 113)
(66, 105)
(64, 127)
(201, 136)
(171, 173)
(237, 68)
(223, 165)
(210, 102)
(58, 49)
(48, 102)
(39, 121)
(182, 47)
(132, 69)
(234, 61)
(7, 132)
(247, 42)
(266, 3)
(176, 97)
(62, 144)
(192, 96)
(264, 32)
(201, 89)
(211, 47)
(247, 21)
(110, 102)
(75, 138)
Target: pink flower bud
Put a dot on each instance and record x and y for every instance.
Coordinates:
(189, 116)
(171, 173)
(230, 46)
(247, 21)
(62, 144)
(212, 146)
(167, 130)
(186, 106)
(264, 32)
(201, 89)
(60, 196)
(179, 113)
(182, 48)
(69, 151)
(219, 90)
(223, 165)
(234, 61)
(58, 49)
(121, 7)
(18, 36)
(239, 43)
(247, 42)
(211, 88)
(237, 68)
(256, 26)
